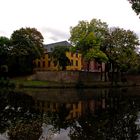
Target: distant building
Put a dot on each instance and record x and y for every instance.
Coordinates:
(45, 63)
(50, 47)
(94, 66)
(77, 62)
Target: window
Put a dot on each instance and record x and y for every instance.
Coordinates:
(99, 67)
(71, 115)
(49, 63)
(71, 106)
(43, 103)
(76, 55)
(71, 54)
(76, 114)
(43, 64)
(76, 62)
(51, 49)
(48, 105)
(95, 65)
(54, 105)
(38, 103)
(55, 63)
(71, 62)
(48, 55)
(76, 106)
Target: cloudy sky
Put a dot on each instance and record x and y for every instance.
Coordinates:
(53, 18)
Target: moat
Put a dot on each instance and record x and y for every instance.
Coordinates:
(70, 114)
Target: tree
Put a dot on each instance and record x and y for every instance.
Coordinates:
(4, 53)
(4, 49)
(96, 54)
(120, 49)
(135, 6)
(59, 56)
(27, 45)
(27, 41)
(87, 36)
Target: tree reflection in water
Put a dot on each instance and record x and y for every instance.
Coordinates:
(97, 114)
(18, 116)
(115, 122)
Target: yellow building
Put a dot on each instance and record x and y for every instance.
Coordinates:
(76, 61)
(46, 62)
(74, 108)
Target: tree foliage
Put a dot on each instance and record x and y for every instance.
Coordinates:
(4, 54)
(4, 50)
(87, 35)
(27, 41)
(135, 6)
(27, 45)
(59, 56)
(121, 48)
(96, 54)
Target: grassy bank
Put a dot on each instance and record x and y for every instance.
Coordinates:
(24, 83)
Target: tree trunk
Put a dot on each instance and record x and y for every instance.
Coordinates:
(88, 64)
(105, 72)
(101, 72)
(112, 79)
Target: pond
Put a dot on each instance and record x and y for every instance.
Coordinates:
(70, 114)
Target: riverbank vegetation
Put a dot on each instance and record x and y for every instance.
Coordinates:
(18, 53)
(116, 47)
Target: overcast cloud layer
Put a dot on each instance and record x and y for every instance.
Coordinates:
(53, 18)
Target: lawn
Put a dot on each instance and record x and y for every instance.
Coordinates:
(23, 82)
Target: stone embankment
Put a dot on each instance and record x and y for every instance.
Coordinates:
(78, 79)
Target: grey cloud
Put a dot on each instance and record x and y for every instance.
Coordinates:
(55, 34)
(54, 38)
(58, 33)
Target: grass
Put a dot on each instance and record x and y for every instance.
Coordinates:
(23, 82)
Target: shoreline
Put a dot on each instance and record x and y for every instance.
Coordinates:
(50, 85)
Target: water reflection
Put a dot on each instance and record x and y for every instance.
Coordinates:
(18, 115)
(100, 114)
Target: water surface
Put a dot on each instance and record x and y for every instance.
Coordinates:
(71, 114)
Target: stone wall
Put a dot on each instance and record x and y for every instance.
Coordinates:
(133, 78)
(78, 76)
(67, 76)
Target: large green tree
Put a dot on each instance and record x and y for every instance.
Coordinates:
(59, 57)
(121, 49)
(27, 41)
(27, 45)
(135, 5)
(87, 36)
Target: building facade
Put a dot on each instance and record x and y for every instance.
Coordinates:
(46, 63)
(93, 66)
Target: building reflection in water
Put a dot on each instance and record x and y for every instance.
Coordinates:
(77, 102)
(99, 113)
(50, 101)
